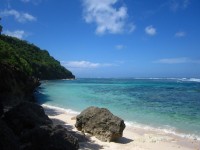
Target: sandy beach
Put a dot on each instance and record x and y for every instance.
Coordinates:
(133, 138)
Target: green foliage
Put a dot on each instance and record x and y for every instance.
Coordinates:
(31, 59)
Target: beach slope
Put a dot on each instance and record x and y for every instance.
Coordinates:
(133, 138)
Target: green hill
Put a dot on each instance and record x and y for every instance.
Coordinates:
(30, 59)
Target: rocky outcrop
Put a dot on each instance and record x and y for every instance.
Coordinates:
(27, 127)
(15, 85)
(49, 138)
(23, 124)
(8, 140)
(26, 116)
(101, 123)
(1, 109)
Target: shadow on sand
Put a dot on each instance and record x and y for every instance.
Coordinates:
(51, 112)
(124, 140)
(85, 142)
(90, 145)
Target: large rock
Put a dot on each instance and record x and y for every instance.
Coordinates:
(35, 130)
(26, 116)
(101, 123)
(1, 109)
(8, 140)
(15, 85)
(49, 138)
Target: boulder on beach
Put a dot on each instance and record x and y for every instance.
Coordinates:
(26, 116)
(101, 123)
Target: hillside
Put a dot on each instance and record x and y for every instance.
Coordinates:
(31, 59)
(23, 123)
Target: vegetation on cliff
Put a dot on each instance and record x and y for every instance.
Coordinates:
(23, 124)
(30, 59)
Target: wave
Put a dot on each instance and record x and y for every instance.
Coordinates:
(167, 130)
(190, 79)
(176, 79)
(59, 109)
(146, 78)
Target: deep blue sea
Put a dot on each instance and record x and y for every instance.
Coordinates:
(171, 105)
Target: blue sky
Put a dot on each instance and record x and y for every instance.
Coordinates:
(111, 38)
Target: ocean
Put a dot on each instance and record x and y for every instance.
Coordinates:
(170, 105)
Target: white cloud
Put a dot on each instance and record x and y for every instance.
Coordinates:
(18, 33)
(35, 2)
(84, 64)
(179, 60)
(25, 1)
(186, 3)
(19, 16)
(150, 30)
(131, 27)
(81, 64)
(180, 34)
(176, 5)
(107, 18)
(119, 47)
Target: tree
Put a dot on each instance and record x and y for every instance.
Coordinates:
(1, 27)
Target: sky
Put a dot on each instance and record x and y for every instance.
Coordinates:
(111, 38)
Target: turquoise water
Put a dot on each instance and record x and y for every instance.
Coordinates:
(171, 105)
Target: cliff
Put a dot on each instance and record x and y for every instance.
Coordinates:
(23, 123)
(22, 65)
(15, 85)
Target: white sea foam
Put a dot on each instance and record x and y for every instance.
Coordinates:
(149, 78)
(156, 78)
(59, 109)
(68, 79)
(40, 92)
(167, 130)
(178, 79)
(190, 79)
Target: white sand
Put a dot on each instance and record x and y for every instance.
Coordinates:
(133, 138)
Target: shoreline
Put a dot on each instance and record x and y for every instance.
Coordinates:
(133, 138)
(135, 125)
